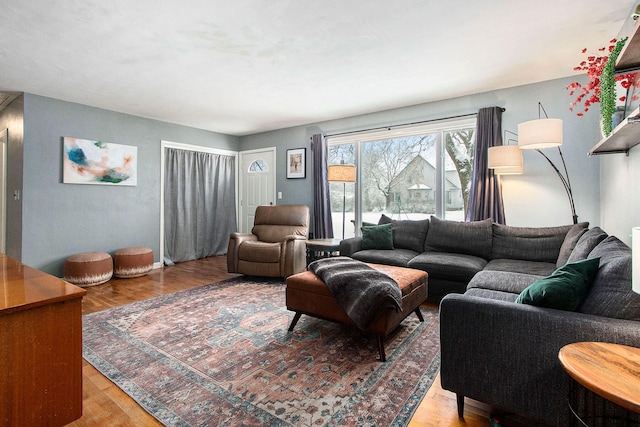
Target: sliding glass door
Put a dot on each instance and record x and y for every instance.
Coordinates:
(408, 173)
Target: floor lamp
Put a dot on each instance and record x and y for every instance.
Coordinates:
(505, 159)
(545, 133)
(342, 173)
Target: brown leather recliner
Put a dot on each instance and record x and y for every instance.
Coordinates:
(276, 246)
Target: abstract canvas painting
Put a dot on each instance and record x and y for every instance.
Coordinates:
(97, 162)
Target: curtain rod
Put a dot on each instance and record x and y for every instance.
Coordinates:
(406, 124)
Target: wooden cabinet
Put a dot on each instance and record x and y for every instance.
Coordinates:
(40, 347)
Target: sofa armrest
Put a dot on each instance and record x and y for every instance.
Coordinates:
(350, 246)
(235, 239)
(506, 354)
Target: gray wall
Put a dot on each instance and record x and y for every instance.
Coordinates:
(620, 201)
(62, 219)
(536, 198)
(54, 220)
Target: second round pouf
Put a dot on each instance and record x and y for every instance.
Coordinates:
(133, 261)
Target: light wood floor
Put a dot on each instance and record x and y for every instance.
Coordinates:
(105, 404)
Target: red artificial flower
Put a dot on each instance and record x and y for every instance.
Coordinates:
(589, 93)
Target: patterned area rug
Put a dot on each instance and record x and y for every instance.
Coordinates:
(221, 355)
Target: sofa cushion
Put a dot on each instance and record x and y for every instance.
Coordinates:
(377, 236)
(521, 266)
(586, 243)
(528, 243)
(564, 289)
(454, 267)
(407, 234)
(397, 257)
(611, 294)
(569, 243)
(503, 281)
(470, 238)
(492, 294)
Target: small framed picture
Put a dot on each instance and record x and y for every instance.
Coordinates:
(296, 163)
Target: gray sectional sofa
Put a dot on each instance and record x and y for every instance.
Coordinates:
(453, 252)
(494, 349)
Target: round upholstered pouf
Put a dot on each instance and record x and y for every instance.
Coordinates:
(88, 268)
(132, 262)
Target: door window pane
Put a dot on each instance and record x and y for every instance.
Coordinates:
(257, 166)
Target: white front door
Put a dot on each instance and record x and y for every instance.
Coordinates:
(257, 183)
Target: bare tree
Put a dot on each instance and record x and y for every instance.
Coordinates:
(460, 147)
(343, 153)
(385, 160)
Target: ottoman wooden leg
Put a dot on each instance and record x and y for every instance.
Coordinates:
(294, 321)
(419, 314)
(383, 356)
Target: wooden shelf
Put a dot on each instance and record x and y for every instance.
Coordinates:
(629, 58)
(625, 136)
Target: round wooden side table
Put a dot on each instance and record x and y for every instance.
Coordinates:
(320, 248)
(606, 373)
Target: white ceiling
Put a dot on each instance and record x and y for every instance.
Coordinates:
(243, 66)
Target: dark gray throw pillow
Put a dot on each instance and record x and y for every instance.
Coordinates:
(570, 241)
(586, 243)
(407, 234)
(471, 238)
(529, 243)
(611, 294)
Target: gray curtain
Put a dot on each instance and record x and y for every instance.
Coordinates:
(322, 222)
(199, 204)
(485, 195)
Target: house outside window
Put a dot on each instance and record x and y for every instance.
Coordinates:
(408, 173)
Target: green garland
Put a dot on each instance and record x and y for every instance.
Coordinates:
(608, 88)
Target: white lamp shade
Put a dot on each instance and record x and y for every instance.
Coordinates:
(512, 170)
(505, 160)
(341, 173)
(541, 133)
(635, 259)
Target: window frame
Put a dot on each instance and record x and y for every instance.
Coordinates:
(439, 127)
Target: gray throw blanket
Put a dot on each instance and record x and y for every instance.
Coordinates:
(362, 291)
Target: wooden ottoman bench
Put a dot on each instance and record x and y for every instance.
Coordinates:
(307, 294)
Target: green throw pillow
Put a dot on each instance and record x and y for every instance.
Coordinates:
(377, 236)
(565, 288)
